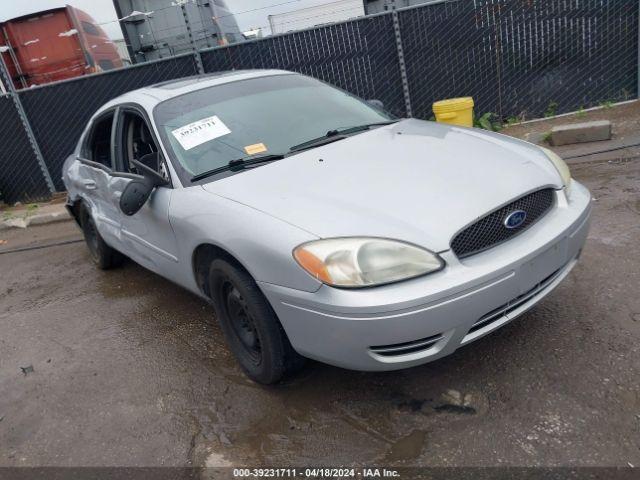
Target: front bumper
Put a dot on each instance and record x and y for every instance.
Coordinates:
(418, 321)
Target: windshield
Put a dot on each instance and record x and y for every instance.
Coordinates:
(206, 129)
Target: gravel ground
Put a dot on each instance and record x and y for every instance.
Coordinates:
(124, 368)
(625, 119)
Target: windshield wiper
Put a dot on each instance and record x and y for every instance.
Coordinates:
(329, 137)
(358, 128)
(238, 164)
(337, 134)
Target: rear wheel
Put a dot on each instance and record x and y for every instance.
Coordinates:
(252, 329)
(102, 254)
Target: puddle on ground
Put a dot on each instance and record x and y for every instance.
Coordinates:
(407, 448)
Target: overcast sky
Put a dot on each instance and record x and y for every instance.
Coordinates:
(102, 10)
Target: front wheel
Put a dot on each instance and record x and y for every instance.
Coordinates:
(250, 325)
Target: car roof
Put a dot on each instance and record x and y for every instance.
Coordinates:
(151, 95)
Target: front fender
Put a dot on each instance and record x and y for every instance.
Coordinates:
(262, 244)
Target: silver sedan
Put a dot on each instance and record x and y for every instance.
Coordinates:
(320, 226)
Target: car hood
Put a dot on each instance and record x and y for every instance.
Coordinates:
(416, 181)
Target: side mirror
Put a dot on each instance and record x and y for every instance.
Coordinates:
(139, 189)
(376, 104)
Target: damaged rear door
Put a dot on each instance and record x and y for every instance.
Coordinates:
(97, 160)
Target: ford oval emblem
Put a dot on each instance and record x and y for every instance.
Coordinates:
(515, 219)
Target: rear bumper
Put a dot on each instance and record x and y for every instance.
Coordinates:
(421, 320)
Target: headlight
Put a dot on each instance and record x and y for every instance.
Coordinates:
(561, 166)
(364, 262)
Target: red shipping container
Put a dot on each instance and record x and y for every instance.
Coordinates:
(55, 45)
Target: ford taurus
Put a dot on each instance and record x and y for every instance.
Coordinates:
(320, 226)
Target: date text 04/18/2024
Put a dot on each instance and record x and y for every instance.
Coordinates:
(316, 473)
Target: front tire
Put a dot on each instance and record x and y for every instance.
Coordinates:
(250, 325)
(102, 254)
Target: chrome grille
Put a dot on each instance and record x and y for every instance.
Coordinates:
(406, 347)
(490, 231)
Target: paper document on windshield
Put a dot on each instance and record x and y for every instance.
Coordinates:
(202, 131)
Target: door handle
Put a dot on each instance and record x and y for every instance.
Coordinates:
(89, 184)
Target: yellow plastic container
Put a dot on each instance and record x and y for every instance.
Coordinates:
(455, 111)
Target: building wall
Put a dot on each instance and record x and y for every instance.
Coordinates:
(377, 6)
(300, 19)
(161, 30)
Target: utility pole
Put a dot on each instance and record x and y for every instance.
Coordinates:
(6, 79)
(403, 68)
(204, 25)
(187, 24)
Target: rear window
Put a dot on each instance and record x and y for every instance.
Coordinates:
(97, 147)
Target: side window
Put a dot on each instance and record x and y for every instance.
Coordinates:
(90, 29)
(106, 65)
(98, 145)
(137, 143)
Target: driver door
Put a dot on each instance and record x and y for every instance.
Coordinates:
(148, 235)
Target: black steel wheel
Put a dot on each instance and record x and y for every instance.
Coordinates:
(241, 321)
(252, 329)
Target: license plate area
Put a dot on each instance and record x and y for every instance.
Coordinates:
(541, 266)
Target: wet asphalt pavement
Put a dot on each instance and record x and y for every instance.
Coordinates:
(131, 370)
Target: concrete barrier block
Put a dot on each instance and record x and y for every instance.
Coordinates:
(581, 133)
(539, 138)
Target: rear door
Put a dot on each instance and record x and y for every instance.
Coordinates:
(97, 160)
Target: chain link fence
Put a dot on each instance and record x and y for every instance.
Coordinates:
(59, 112)
(21, 178)
(519, 59)
(359, 56)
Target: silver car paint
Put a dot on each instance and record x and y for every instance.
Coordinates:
(338, 326)
(415, 181)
